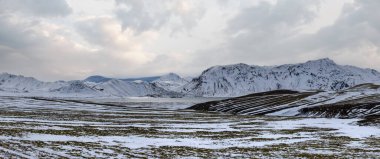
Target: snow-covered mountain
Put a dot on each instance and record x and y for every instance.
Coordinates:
(29, 86)
(171, 82)
(217, 81)
(100, 79)
(77, 88)
(21, 84)
(242, 79)
(122, 88)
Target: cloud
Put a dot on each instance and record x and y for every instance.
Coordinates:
(144, 15)
(276, 18)
(357, 24)
(353, 39)
(46, 8)
(271, 33)
(258, 33)
(41, 49)
(91, 45)
(106, 34)
(135, 38)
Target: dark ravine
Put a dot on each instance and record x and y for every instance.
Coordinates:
(354, 110)
(257, 103)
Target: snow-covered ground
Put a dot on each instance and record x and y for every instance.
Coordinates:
(161, 128)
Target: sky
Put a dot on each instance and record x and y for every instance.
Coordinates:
(72, 39)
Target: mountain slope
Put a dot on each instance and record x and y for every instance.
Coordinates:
(121, 88)
(357, 102)
(77, 88)
(241, 79)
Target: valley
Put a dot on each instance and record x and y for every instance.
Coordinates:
(164, 128)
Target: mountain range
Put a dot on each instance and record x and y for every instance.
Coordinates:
(218, 81)
(242, 79)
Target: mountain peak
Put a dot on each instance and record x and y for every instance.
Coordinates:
(170, 76)
(97, 79)
(7, 74)
(322, 61)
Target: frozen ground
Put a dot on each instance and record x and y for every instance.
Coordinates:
(160, 128)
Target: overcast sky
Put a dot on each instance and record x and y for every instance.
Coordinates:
(72, 39)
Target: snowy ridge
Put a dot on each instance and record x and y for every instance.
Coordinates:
(242, 79)
(171, 82)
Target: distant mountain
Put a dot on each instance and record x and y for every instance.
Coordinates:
(99, 79)
(170, 82)
(122, 88)
(76, 87)
(217, 81)
(242, 79)
(146, 79)
(94, 86)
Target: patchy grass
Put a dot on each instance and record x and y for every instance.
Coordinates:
(86, 130)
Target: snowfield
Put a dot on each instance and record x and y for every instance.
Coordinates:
(162, 128)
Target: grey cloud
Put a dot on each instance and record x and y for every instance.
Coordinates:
(266, 17)
(92, 31)
(24, 49)
(260, 33)
(139, 17)
(354, 38)
(268, 34)
(36, 7)
(15, 36)
(143, 15)
(358, 23)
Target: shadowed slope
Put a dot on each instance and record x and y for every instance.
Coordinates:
(257, 103)
(360, 101)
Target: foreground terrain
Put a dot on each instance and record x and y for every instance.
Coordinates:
(161, 128)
